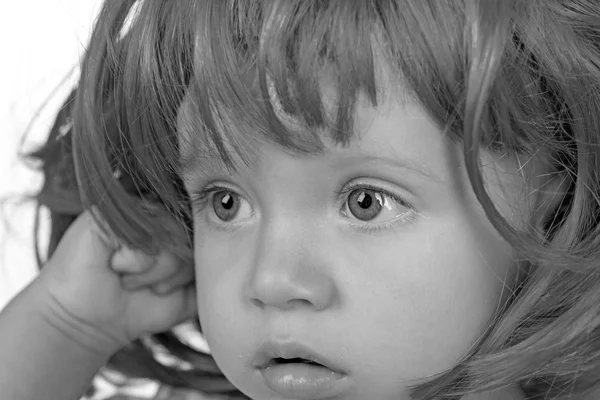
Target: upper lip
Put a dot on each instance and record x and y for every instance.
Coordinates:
(271, 350)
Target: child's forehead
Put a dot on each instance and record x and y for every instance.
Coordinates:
(197, 150)
(385, 136)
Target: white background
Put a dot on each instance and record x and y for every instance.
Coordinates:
(40, 44)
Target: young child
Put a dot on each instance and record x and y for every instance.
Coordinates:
(385, 200)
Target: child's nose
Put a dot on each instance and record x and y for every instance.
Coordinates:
(288, 273)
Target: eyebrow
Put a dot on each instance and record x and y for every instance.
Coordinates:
(193, 163)
(197, 164)
(398, 163)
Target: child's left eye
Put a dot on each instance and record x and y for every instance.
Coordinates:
(373, 206)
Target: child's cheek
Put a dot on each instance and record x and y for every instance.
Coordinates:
(473, 269)
(435, 300)
(220, 286)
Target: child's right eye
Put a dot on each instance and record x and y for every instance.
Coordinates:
(225, 205)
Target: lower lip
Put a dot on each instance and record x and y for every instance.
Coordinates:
(303, 381)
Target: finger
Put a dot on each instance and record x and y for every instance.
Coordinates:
(182, 277)
(166, 265)
(180, 305)
(189, 307)
(129, 261)
(152, 313)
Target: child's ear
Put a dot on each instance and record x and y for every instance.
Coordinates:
(550, 197)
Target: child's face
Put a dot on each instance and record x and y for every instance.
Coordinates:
(376, 259)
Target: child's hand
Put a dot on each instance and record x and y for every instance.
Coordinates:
(118, 293)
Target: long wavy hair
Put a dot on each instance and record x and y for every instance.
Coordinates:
(512, 76)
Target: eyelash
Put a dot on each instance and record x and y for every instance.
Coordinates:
(200, 199)
(376, 228)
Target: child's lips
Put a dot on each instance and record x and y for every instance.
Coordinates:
(304, 381)
(295, 370)
(273, 352)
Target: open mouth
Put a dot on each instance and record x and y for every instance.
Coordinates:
(276, 355)
(295, 360)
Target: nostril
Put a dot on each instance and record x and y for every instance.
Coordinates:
(282, 305)
(299, 303)
(257, 303)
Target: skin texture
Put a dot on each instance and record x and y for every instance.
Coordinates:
(391, 301)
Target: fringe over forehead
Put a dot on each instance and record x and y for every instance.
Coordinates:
(256, 60)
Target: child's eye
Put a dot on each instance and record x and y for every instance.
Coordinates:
(221, 205)
(228, 205)
(374, 206)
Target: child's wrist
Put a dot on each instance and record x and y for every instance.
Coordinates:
(90, 338)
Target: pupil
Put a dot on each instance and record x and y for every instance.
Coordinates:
(365, 200)
(227, 202)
